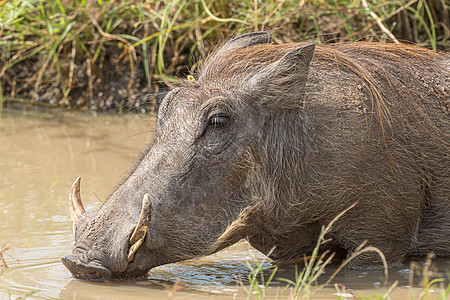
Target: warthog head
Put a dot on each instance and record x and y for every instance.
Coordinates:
(197, 183)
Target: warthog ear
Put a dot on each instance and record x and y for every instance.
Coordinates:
(246, 40)
(281, 85)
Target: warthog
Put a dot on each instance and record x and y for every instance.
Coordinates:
(273, 141)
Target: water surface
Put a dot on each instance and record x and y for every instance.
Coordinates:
(41, 153)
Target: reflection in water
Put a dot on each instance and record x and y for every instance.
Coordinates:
(40, 156)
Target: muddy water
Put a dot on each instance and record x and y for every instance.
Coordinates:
(42, 153)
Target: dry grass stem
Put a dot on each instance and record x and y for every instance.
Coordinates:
(379, 22)
(175, 288)
(2, 258)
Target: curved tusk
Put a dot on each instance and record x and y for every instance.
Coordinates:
(140, 231)
(76, 208)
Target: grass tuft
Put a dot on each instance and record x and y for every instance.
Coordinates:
(305, 286)
(99, 54)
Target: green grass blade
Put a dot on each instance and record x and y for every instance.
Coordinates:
(58, 42)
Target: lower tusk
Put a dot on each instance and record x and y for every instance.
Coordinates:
(133, 249)
(140, 231)
(138, 234)
(144, 221)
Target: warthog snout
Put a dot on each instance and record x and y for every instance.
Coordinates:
(83, 271)
(94, 269)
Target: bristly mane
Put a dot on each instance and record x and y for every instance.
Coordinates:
(240, 62)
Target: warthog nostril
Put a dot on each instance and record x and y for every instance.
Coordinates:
(95, 276)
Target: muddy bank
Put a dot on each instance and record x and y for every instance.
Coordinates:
(113, 86)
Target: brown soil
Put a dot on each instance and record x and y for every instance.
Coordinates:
(113, 87)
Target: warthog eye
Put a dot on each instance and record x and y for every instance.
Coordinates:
(218, 121)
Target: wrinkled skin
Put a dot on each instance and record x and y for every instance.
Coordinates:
(267, 146)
